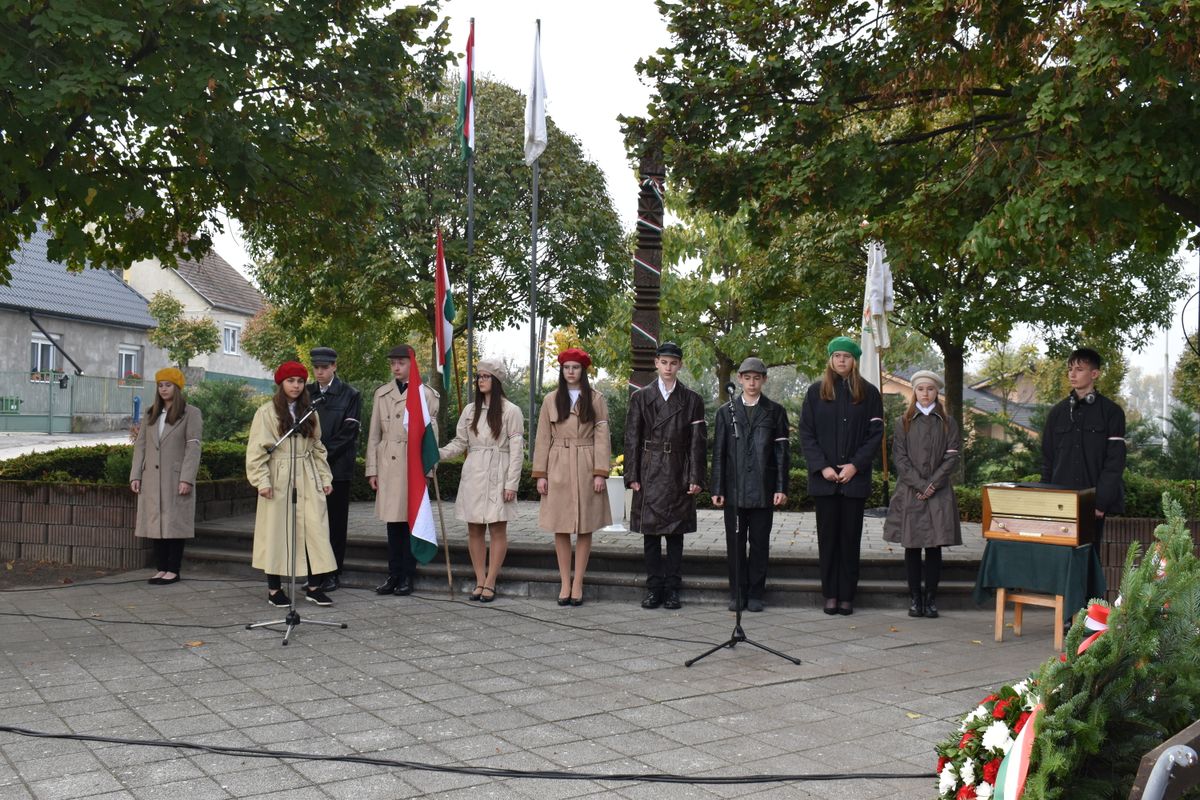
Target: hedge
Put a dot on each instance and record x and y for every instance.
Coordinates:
(219, 460)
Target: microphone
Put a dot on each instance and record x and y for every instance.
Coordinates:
(318, 400)
(730, 388)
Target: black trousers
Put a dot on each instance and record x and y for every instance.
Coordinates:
(748, 526)
(338, 503)
(839, 535)
(401, 563)
(664, 574)
(276, 581)
(933, 568)
(168, 554)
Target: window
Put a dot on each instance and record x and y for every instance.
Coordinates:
(43, 358)
(128, 366)
(231, 338)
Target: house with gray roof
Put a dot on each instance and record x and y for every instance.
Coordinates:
(212, 288)
(78, 345)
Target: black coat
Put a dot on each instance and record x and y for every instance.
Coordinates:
(340, 422)
(750, 458)
(666, 448)
(1083, 447)
(839, 431)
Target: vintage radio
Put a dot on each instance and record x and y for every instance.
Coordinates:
(1040, 513)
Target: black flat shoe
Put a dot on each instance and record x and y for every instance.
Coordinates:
(279, 599)
(475, 594)
(155, 581)
(754, 605)
(845, 610)
(167, 581)
(576, 601)
(388, 586)
(317, 596)
(484, 598)
(831, 607)
(564, 601)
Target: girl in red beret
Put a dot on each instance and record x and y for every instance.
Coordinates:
(271, 474)
(571, 463)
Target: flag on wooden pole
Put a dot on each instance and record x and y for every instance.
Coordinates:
(422, 456)
(443, 324)
(535, 105)
(878, 302)
(466, 99)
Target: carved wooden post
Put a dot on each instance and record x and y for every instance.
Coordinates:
(647, 270)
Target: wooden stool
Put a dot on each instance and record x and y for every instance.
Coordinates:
(1022, 599)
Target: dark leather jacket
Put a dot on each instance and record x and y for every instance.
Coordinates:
(750, 457)
(1083, 447)
(340, 422)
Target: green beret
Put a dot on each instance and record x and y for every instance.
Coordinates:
(844, 344)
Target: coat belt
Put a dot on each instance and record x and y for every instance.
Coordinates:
(664, 447)
(569, 442)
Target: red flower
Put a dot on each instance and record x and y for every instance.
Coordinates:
(990, 771)
(1021, 720)
(965, 793)
(941, 764)
(988, 699)
(1001, 709)
(966, 739)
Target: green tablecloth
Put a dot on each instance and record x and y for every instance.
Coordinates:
(1073, 572)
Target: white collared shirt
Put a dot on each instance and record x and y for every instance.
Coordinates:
(926, 410)
(662, 389)
(574, 396)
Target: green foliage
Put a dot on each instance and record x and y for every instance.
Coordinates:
(1135, 686)
(181, 337)
(228, 408)
(1050, 373)
(127, 123)
(117, 466)
(110, 463)
(1185, 379)
(268, 339)
(987, 459)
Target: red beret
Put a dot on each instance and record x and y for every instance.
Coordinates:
(290, 369)
(576, 355)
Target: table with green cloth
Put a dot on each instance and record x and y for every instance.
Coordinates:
(1073, 572)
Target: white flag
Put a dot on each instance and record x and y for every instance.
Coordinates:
(535, 105)
(878, 301)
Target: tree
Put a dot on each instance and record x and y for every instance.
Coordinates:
(267, 339)
(182, 338)
(128, 127)
(1003, 365)
(386, 285)
(1050, 373)
(1075, 119)
(1185, 379)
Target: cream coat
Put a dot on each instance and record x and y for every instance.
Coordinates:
(274, 518)
(161, 464)
(492, 466)
(387, 449)
(569, 454)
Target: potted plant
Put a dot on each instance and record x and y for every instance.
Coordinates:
(130, 379)
(616, 495)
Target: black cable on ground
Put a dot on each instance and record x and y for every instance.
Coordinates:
(189, 625)
(491, 772)
(74, 584)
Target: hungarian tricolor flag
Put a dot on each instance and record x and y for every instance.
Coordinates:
(466, 100)
(422, 456)
(1010, 780)
(443, 323)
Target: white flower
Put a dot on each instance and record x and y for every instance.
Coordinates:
(967, 772)
(983, 791)
(947, 779)
(976, 715)
(997, 737)
(1021, 688)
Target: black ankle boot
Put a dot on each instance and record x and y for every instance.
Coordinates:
(916, 606)
(931, 604)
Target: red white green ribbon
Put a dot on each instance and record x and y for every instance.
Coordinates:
(1010, 780)
(1097, 622)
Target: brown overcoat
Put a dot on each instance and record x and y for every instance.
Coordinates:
(161, 464)
(492, 466)
(927, 453)
(569, 454)
(666, 448)
(387, 449)
(273, 520)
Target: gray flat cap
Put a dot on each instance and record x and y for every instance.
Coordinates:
(322, 356)
(753, 364)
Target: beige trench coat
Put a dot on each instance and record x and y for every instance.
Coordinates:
(387, 449)
(492, 466)
(272, 553)
(161, 464)
(569, 454)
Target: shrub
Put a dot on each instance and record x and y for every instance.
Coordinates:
(228, 408)
(117, 465)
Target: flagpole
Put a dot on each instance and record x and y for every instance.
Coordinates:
(437, 492)
(471, 245)
(887, 500)
(457, 379)
(533, 313)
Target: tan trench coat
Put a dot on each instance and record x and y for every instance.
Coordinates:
(161, 464)
(387, 449)
(492, 465)
(272, 553)
(927, 453)
(569, 454)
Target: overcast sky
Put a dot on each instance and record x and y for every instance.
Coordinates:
(589, 50)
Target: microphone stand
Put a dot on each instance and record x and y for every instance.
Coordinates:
(292, 619)
(738, 634)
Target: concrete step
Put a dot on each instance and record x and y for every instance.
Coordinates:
(531, 571)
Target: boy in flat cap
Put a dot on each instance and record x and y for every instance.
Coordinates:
(749, 479)
(387, 468)
(339, 412)
(665, 459)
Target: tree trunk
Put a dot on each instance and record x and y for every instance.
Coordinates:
(954, 354)
(723, 369)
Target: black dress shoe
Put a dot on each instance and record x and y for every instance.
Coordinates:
(330, 584)
(564, 601)
(754, 605)
(388, 586)
(653, 599)
(576, 601)
(405, 587)
(831, 606)
(672, 600)
(845, 609)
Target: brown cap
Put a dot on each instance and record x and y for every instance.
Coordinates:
(400, 351)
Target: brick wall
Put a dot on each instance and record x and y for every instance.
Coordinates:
(92, 526)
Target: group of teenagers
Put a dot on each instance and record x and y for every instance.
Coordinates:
(666, 449)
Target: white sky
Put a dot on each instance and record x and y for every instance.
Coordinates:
(588, 54)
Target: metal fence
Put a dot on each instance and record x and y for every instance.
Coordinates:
(58, 402)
